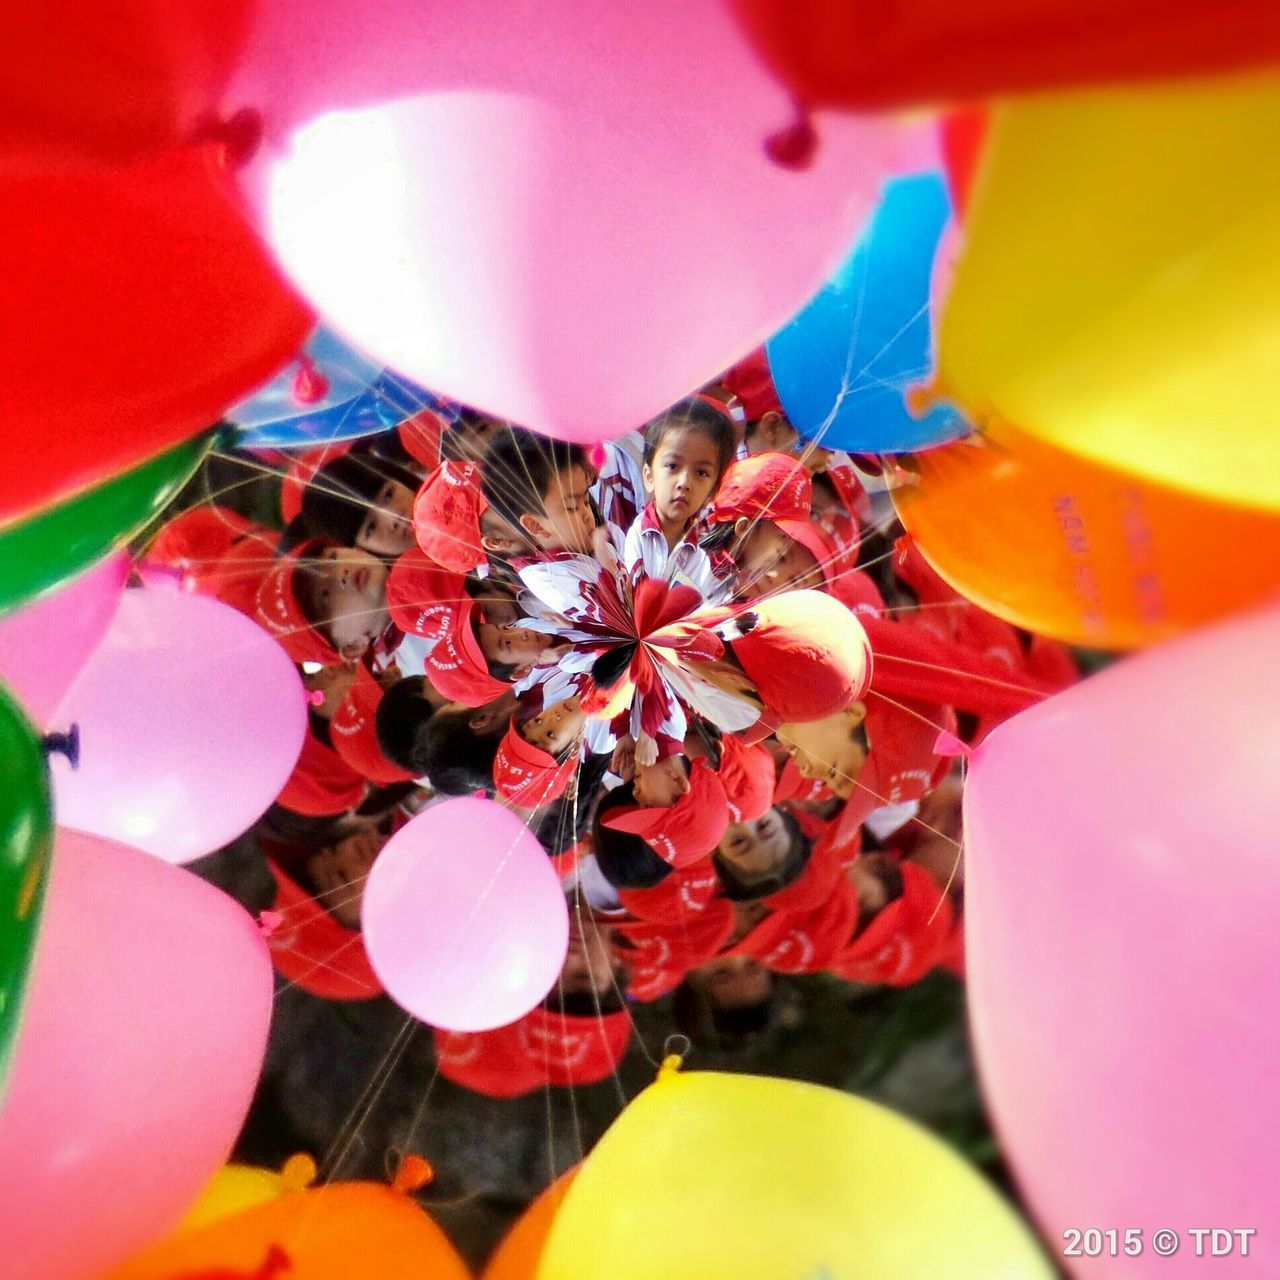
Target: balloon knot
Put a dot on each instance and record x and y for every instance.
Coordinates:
(238, 137)
(795, 145)
(310, 386)
(299, 1171)
(275, 1263)
(947, 744)
(670, 1067)
(596, 456)
(920, 398)
(269, 922)
(64, 744)
(412, 1174)
(315, 698)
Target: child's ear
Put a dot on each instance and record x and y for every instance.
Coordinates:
(500, 546)
(353, 650)
(857, 712)
(646, 474)
(771, 428)
(483, 718)
(536, 527)
(740, 527)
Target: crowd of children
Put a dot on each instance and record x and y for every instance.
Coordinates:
(731, 705)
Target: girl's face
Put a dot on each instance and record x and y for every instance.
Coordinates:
(513, 646)
(387, 529)
(768, 562)
(828, 750)
(352, 600)
(682, 476)
(557, 728)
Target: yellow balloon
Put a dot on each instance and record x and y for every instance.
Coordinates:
(1119, 289)
(237, 1187)
(708, 1176)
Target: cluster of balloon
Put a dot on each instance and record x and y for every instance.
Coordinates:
(520, 1250)
(1080, 551)
(332, 1232)
(739, 1176)
(465, 943)
(330, 393)
(1152, 906)
(1075, 316)
(121, 342)
(191, 719)
(44, 549)
(854, 53)
(142, 1039)
(26, 837)
(419, 183)
(845, 366)
(237, 1187)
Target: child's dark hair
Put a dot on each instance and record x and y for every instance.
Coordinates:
(454, 445)
(520, 469)
(452, 756)
(568, 819)
(625, 860)
(308, 583)
(709, 1026)
(693, 414)
(739, 889)
(336, 503)
(402, 714)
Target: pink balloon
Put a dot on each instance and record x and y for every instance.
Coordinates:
(191, 719)
(464, 918)
(560, 212)
(1121, 898)
(44, 644)
(144, 1032)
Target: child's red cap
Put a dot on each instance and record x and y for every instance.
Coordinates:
(669, 947)
(906, 939)
(313, 951)
(771, 486)
(446, 516)
(686, 831)
(807, 655)
(528, 776)
(747, 774)
(322, 784)
(457, 668)
(679, 898)
(568, 1050)
(277, 609)
(486, 1062)
(752, 382)
(354, 736)
(420, 435)
(808, 941)
(900, 746)
(423, 597)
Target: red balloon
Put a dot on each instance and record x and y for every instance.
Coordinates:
(869, 53)
(83, 82)
(135, 307)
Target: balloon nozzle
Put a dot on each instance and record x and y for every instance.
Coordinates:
(64, 744)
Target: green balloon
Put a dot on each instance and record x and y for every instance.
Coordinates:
(26, 843)
(47, 548)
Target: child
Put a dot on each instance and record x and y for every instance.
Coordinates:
(686, 451)
(453, 747)
(360, 501)
(539, 487)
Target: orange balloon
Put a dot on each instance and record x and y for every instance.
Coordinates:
(345, 1231)
(1074, 550)
(517, 1257)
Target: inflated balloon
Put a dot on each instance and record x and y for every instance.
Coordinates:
(464, 918)
(1144, 341)
(1081, 552)
(237, 1187)
(331, 392)
(484, 213)
(962, 134)
(1120, 858)
(338, 1232)
(191, 720)
(135, 306)
(85, 84)
(26, 838)
(44, 645)
(714, 1175)
(144, 1033)
(857, 53)
(844, 365)
(518, 1254)
(41, 550)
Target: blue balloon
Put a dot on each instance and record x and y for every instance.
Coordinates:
(356, 398)
(842, 365)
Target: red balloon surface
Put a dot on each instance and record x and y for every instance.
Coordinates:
(866, 53)
(135, 307)
(82, 82)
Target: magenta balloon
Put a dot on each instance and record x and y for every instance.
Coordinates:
(191, 720)
(144, 1032)
(1121, 898)
(44, 644)
(464, 918)
(560, 212)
